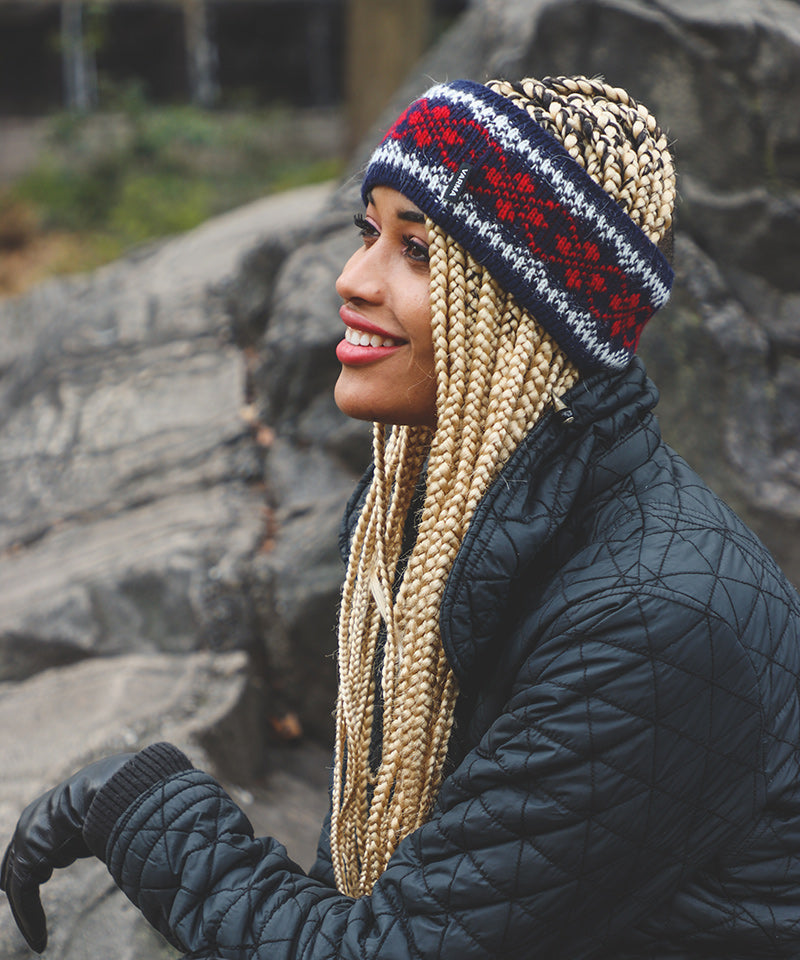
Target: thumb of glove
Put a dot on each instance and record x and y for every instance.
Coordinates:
(23, 898)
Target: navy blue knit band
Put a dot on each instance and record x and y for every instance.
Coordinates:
(150, 766)
(504, 188)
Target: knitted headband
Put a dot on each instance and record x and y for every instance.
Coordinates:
(506, 190)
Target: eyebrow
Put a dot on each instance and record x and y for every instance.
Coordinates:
(413, 216)
(410, 216)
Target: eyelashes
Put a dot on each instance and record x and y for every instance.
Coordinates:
(365, 228)
(413, 248)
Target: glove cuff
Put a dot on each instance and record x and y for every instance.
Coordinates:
(150, 766)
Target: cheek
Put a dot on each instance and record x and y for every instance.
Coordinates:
(420, 320)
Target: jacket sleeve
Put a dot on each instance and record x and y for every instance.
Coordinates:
(626, 756)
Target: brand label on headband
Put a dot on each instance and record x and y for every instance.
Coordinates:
(458, 183)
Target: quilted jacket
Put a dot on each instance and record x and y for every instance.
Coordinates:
(623, 777)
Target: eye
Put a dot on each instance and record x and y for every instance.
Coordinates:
(367, 230)
(416, 249)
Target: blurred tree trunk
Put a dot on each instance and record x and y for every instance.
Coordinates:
(201, 54)
(385, 38)
(77, 59)
(319, 44)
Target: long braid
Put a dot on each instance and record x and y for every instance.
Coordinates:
(497, 372)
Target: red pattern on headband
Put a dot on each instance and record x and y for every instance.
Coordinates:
(530, 210)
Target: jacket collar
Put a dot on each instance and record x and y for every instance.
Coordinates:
(569, 457)
(567, 460)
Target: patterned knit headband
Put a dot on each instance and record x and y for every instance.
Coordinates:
(506, 190)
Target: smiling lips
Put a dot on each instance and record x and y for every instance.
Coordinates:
(364, 343)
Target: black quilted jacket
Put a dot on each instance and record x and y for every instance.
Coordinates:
(623, 779)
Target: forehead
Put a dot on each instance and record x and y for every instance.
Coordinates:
(390, 202)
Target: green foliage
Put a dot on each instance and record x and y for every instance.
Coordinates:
(139, 172)
(313, 172)
(69, 198)
(151, 204)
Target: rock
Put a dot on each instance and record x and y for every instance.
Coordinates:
(132, 485)
(133, 505)
(87, 918)
(731, 400)
(60, 720)
(143, 579)
(296, 587)
(746, 230)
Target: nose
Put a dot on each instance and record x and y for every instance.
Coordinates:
(361, 277)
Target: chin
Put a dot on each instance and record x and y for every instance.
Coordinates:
(355, 404)
(352, 403)
(362, 395)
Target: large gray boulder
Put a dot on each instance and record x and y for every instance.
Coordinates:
(129, 465)
(131, 505)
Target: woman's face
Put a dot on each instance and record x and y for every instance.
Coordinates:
(387, 352)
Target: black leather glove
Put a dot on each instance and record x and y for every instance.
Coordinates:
(49, 834)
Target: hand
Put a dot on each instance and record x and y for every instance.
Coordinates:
(49, 834)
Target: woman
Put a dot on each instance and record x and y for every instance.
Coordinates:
(568, 717)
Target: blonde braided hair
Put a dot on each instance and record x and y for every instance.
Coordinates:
(497, 371)
(614, 138)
